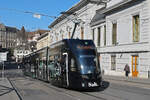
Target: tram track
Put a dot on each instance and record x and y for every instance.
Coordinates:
(63, 92)
(101, 98)
(16, 89)
(74, 94)
(66, 92)
(70, 93)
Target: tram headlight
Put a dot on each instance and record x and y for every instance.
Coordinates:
(83, 85)
(85, 77)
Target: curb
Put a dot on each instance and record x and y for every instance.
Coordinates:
(128, 80)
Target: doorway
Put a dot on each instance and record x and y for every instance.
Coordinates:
(135, 65)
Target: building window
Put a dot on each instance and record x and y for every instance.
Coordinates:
(113, 62)
(105, 35)
(93, 34)
(136, 28)
(114, 33)
(99, 36)
(82, 33)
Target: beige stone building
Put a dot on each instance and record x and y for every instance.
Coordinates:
(8, 36)
(43, 41)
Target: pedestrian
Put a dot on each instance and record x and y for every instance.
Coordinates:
(127, 70)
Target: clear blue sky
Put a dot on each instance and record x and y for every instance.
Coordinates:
(18, 19)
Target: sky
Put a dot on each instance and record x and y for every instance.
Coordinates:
(12, 12)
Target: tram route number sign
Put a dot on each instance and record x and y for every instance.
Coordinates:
(3, 56)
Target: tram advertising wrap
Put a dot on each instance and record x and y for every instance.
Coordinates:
(70, 63)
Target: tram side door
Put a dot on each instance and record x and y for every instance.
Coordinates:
(66, 79)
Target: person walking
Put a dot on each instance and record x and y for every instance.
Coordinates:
(127, 70)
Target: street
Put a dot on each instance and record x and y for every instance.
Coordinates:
(32, 89)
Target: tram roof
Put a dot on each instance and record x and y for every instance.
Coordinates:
(59, 43)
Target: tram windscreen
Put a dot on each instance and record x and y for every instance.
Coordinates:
(85, 51)
(89, 64)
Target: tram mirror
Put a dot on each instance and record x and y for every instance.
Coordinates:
(64, 54)
(95, 59)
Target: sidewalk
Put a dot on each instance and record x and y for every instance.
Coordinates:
(130, 79)
(6, 90)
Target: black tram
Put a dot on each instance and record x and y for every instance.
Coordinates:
(70, 63)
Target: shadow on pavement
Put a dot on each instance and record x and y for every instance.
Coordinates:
(4, 90)
(105, 85)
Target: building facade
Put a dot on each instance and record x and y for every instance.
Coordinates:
(35, 39)
(8, 36)
(119, 29)
(63, 26)
(20, 52)
(123, 37)
(43, 41)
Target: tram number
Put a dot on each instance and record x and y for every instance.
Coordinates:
(92, 84)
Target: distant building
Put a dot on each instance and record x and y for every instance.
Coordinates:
(34, 38)
(43, 41)
(20, 52)
(8, 36)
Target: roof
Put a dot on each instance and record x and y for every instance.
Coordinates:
(101, 13)
(98, 18)
(76, 7)
(119, 6)
(42, 36)
(22, 47)
(40, 32)
(11, 29)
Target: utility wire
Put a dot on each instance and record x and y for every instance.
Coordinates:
(28, 12)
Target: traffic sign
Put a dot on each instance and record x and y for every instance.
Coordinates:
(3, 56)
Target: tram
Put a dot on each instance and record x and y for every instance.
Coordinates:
(70, 63)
